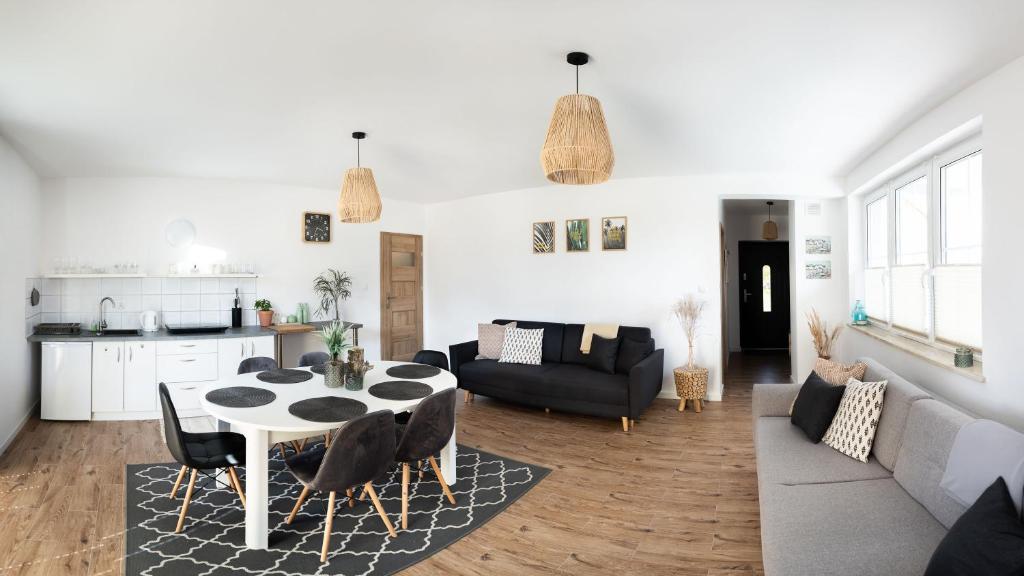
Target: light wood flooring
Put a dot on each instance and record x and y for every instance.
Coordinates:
(677, 495)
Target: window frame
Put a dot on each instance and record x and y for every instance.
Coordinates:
(932, 170)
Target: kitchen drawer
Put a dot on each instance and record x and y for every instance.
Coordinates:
(185, 395)
(186, 368)
(171, 347)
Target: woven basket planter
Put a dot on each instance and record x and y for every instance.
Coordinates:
(691, 384)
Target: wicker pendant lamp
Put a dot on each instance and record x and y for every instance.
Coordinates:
(770, 230)
(577, 149)
(360, 201)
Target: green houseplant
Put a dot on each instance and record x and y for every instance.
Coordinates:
(265, 310)
(335, 338)
(332, 287)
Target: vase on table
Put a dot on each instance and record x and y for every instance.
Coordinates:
(334, 374)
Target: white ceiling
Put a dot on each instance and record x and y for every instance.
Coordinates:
(456, 95)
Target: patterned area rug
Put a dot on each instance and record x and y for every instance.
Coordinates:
(213, 542)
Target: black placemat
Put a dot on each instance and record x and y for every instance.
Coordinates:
(318, 368)
(284, 376)
(327, 409)
(400, 390)
(241, 397)
(413, 371)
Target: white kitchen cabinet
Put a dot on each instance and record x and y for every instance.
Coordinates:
(108, 376)
(231, 352)
(140, 377)
(262, 346)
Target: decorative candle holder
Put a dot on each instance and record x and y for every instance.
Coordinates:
(964, 357)
(355, 372)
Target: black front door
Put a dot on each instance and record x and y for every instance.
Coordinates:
(764, 295)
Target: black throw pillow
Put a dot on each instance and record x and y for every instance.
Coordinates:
(631, 352)
(988, 539)
(603, 352)
(816, 406)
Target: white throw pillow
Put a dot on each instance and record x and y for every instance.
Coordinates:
(852, 431)
(522, 346)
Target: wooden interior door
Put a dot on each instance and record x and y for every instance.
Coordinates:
(401, 295)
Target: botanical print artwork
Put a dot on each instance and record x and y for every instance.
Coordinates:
(613, 233)
(543, 237)
(819, 269)
(577, 235)
(818, 244)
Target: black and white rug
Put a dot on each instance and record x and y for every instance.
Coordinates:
(213, 542)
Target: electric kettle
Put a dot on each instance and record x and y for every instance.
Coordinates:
(148, 321)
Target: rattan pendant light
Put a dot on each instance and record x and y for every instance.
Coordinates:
(360, 201)
(770, 230)
(577, 149)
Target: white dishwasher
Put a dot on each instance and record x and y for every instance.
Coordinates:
(66, 381)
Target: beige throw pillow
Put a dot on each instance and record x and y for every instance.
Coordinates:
(490, 339)
(836, 373)
(852, 431)
(603, 330)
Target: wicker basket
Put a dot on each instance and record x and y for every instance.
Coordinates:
(691, 384)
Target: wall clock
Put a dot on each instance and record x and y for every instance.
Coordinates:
(316, 227)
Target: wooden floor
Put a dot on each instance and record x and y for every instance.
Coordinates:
(678, 495)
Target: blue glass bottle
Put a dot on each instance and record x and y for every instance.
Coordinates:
(859, 316)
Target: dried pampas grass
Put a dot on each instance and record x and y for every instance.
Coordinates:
(823, 340)
(688, 311)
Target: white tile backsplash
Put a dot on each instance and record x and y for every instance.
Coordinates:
(152, 286)
(171, 286)
(228, 285)
(130, 302)
(209, 316)
(210, 286)
(51, 286)
(111, 286)
(189, 302)
(50, 317)
(171, 303)
(49, 303)
(71, 303)
(171, 317)
(247, 284)
(132, 286)
(151, 302)
(191, 317)
(210, 302)
(190, 286)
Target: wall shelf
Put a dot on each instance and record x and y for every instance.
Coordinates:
(86, 276)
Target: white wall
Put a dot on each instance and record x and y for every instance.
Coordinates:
(997, 100)
(19, 232)
(108, 220)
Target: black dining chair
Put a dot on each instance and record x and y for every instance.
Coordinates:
(429, 429)
(362, 451)
(256, 364)
(313, 359)
(432, 357)
(200, 452)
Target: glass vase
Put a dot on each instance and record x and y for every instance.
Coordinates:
(354, 381)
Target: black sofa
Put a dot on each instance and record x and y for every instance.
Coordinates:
(563, 381)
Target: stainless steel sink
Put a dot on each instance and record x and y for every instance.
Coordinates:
(119, 332)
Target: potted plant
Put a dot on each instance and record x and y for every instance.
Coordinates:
(335, 338)
(265, 311)
(823, 339)
(332, 287)
(691, 380)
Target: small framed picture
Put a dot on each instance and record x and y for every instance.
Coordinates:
(316, 227)
(818, 269)
(613, 233)
(577, 235)
(544, 237)
(818, 244)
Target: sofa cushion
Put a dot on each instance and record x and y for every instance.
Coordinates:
(513, 376)
(785, 456)
(573, 381)
(522, 346)
(551, 350)
(862, 528)
(631, 352)
(490, 340)
(899, 395)
(816, 406)
(603, 352)
(852, 431)
(931, 429)
(837, 373)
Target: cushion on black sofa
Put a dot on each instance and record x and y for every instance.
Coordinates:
(494, 373)
(574, 381)
(603, 352)
(552, 346)
(631, 352)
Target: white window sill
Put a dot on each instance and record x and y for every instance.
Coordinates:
(931, 354)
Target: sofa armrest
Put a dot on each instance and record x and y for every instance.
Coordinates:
(645, 382)
(773, 399)
(462, 353)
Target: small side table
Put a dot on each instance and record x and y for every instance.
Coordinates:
(691, 384)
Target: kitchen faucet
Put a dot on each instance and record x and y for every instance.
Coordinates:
(103, 323)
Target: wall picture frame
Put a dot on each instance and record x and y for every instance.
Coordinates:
(316, 227)
(818, 245)
(577, 235)
(613, 233)
(818, 269)
(544, 237)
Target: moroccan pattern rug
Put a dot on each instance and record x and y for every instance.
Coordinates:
(213, 541)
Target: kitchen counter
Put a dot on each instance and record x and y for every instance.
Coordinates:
(162, 334)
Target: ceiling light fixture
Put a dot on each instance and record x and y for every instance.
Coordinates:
(577, 149)
(770, 230)
(360, 201)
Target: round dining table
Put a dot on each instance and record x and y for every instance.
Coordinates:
(265, 425)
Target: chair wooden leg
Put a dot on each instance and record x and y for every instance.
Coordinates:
(280, 447)
(296, 446)
(362, 495)
(625, 424)
(380, 509)
(298, 504)
(440, 478)
(188, 499)
(351, 498)
(421, 465)
(327, 439)
(177, 483)
(405, 496)
(238, 484)
(327, 527)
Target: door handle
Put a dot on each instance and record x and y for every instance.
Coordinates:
(187, 345)
(388, 306)
(241, 348)
(188, 359)
(118, 355)
(746, 294)
(252, 346)
(131, 353)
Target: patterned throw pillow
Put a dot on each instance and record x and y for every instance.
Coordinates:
(490, 339)
(853, 429)
(836, 373)
(522, 346)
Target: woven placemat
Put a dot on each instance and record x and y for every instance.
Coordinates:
(284, 376)
(241, 397)
(413, 371)
(400, 390)
(318, 368)
(327, 409)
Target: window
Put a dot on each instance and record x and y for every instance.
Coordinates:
(922, 235)
(766, 288)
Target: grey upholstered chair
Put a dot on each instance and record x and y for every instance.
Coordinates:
(432, 357)
(428, 431)
(362, 451)
(313, 359)
(256, 364)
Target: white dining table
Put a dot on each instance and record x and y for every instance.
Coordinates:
(265, 426)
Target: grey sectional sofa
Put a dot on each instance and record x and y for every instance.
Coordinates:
(823, 513)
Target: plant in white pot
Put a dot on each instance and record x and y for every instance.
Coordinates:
(691, 380)
(335, 338)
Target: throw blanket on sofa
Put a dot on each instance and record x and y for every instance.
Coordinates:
(602, 330)
(983, 451)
